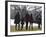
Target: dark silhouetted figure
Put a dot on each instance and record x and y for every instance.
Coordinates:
(27, 16)
(39, 22)
(17, 20)
(22, 22)
(31, 21)
(38, 18)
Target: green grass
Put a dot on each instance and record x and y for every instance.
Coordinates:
(12, 29)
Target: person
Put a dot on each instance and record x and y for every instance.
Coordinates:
(27, 16)
(17, 20)
(39, 22)
(31, 21)
(22, 22)
(38, 18)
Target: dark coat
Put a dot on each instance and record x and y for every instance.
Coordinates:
(30, 19)
(27, 18)
(17, 18)
(22, 21)
(39, 20)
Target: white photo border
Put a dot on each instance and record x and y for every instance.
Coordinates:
(7, 14)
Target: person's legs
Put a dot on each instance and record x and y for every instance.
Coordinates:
(26, 25)
(39, 25)
(16, 27)
(21, 26)
(31, 25)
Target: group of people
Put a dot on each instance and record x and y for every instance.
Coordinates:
(27, 18)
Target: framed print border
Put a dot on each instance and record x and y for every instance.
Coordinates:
(6, 18)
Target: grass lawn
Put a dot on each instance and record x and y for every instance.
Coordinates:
(12, 29)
